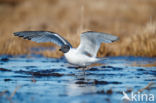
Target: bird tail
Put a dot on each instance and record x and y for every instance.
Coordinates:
(101, 59)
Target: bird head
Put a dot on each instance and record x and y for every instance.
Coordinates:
(64, 48)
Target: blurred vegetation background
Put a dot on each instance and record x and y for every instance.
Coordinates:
(134, 21)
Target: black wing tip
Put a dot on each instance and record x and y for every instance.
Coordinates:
(117, 38)
(16, 33)
(89, 31)
(19, 34)
(27, 38)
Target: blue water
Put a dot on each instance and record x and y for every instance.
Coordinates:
(37, 79)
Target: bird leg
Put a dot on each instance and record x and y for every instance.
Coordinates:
(83, 71)
(83, 68)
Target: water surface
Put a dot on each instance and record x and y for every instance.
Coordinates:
(37, 79)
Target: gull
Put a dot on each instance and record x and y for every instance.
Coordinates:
(82, 56)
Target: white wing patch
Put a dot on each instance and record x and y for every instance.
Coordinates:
(91, 41)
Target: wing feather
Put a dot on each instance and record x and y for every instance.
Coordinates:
(43, 36)
(91, 41)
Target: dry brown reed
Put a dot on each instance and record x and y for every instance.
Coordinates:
(134, 21)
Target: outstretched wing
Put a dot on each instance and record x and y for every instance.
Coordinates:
(91, 41)
(43, 36)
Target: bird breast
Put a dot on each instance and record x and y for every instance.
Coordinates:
(77, 58)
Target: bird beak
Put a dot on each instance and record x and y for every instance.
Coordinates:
(59, 49)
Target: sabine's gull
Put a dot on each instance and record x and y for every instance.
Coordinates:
(84, 55)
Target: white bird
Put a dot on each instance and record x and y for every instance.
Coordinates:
(82, 56)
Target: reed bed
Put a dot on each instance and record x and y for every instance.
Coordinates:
(134, 21)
